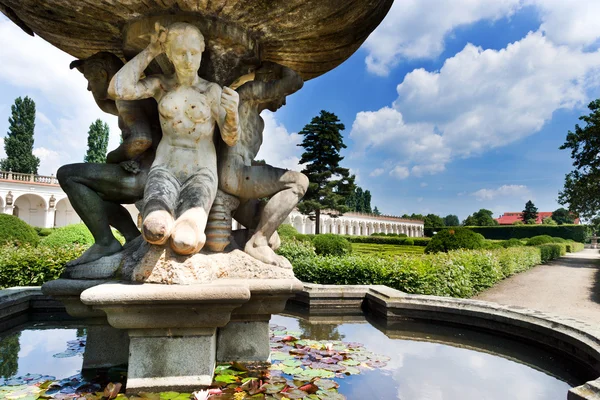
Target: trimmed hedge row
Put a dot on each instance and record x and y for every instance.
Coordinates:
(16, 231)
(577, 233)
(32, 266)
(460, 273)
(288, 231)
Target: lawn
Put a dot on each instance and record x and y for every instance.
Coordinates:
(385, 249)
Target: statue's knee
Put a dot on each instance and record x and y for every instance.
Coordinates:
(63, 174)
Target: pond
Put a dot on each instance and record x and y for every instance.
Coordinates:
(353, 360)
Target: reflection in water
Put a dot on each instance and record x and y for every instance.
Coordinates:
(321, 331)
(421, 370)
(9, 355)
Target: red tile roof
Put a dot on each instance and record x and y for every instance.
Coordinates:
(508, 218)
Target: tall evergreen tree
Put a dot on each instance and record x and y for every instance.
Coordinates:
(97, 142)
(530, 213)
(18, 144)
(376, 211)
(330, 184)
(367, 202)
(359, 201)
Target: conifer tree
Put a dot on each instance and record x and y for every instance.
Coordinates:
(376, 211)
(530, 213)
(18, 144)
(97, 142)
(330, 184)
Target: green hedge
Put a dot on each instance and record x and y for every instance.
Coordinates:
(68, 235)
(32, 266)
(16, 231)
(330, 244)
(577, 233)
(417, 241)
(454, 239)
(460, 273)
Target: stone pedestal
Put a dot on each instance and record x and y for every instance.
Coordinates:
(105, 346)
(172, 328)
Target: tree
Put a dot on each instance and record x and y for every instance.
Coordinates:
(563, 216)
(18, 144)
(451, 220)
(376, 211)
(359, 201)
(433, 221)
(482, 217)
(581, 185)
(330, 184)
(97, 142)
(530, 213)
(549, 221)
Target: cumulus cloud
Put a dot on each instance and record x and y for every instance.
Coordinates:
(480, 99)
(416, 29)
(519, 191)
(34, 66)
(400, 172)
(377, 172)
(50, 160)
(279, 146)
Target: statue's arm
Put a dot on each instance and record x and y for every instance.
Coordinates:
(289, 83)
(127, 84)
(225, 111)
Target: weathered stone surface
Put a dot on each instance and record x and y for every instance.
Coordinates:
(309, 36)
(171, 360)
(105, 347)
(159, 264)
(246, 341)
(67, 291)
(588, 391)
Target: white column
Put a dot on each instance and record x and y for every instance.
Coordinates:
(49, 218)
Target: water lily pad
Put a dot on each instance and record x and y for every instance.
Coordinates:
(292, 363)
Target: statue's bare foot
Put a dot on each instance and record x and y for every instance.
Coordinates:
(274, 241)
(187, 237)
(157, 227)
(264, 253)
(96, 252)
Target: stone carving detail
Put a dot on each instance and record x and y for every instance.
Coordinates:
(188, 152)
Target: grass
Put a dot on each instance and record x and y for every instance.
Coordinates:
(385, 249)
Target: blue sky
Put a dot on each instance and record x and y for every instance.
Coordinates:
(449, 107)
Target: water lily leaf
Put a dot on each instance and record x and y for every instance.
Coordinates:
(326, 384)
(309, 388)
(295, 394)
(292, 370)
(330, 395)
(351, 371)
(350, 363)
(272, 388)
(183, 396)
(112, 390)
(224, 379)
(376, 363)
(292, 363)
(150, 396)
(280, 356)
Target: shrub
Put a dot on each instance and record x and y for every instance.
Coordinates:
(460, 273)
(330, 244)
(68, 235)
(16, 231)
(541, 239)
(418, 241)
(511, 243)
(573, 247)
(551, 251)
(409, 242)
(43, 232)
(33, 266)
(558, 240)
(286, 230)
(295, 249)
(454, 239)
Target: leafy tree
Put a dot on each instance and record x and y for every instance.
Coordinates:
(405, 216)
(530, 213)
(97, 142)
(482, 217)
(581, 185)
(451, 220)
(18, 144)
(433, 221)
(376, 211)
(359, 201)
(549, 221)
(563, 216)
(518, 222)
(330, 184)
(420, 217)
(9, 355)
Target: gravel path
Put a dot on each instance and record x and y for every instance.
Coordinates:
(569, 286)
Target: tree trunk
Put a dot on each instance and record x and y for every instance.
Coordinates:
(318, 222)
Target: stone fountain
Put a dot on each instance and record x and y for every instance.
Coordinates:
(188, 80)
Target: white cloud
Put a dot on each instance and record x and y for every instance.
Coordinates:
(41, 70)
(514, 191)
(416, 29)
(479, 100)
(400, 172)
(279, 147)
(50, 160)
(376, 172)
(423, 184)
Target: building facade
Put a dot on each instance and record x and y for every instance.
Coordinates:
(40, 201)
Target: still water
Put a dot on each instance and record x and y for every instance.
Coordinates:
(426, 362)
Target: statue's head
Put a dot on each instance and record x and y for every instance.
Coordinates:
(98, 70)
(270, 71)
(184, 46)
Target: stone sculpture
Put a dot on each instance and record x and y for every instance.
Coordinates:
(239, 177)
(182, 182)
(97, 191)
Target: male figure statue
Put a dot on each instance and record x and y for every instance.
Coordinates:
(97, 191)
(237, 175)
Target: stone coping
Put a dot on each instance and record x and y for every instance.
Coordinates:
(577, 339)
